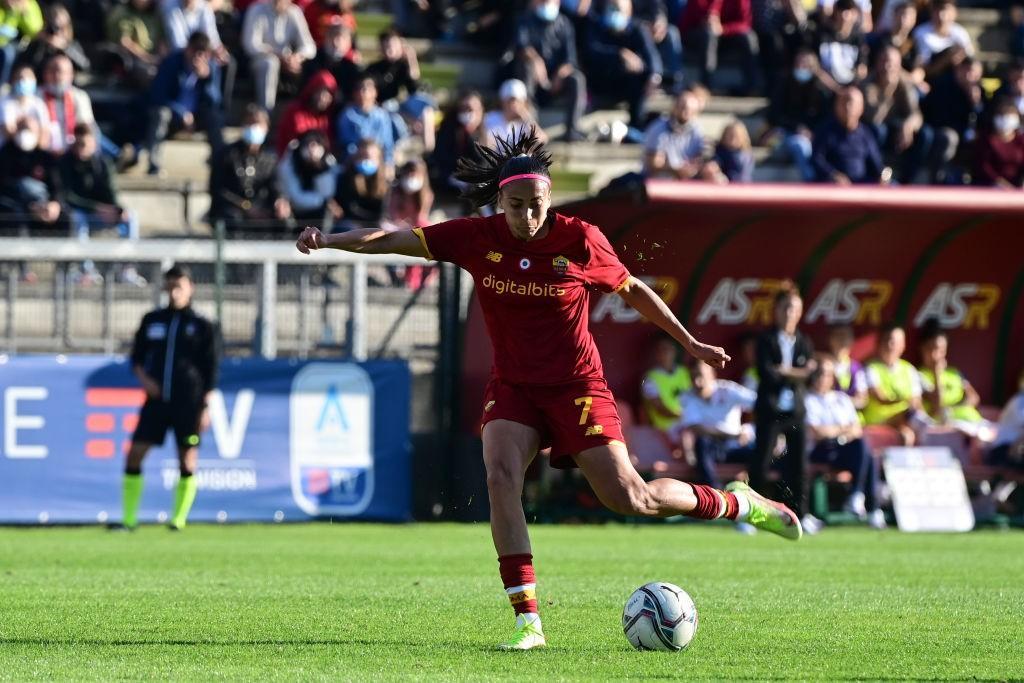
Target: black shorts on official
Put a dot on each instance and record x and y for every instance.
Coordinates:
(156, 417)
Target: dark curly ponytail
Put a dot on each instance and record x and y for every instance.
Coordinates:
(482, 171)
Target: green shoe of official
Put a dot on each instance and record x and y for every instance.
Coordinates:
(767, 514)
(528, 635)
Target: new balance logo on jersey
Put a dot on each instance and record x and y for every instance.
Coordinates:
(494, 256)
(594, 430)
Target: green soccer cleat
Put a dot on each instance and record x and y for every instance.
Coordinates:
(767, 514)
(528, 635)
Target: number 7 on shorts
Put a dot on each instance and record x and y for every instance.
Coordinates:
(586, 402)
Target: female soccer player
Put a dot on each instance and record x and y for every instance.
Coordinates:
(534, 272)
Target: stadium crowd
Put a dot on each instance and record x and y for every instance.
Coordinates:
(858, 92)
(797, 405)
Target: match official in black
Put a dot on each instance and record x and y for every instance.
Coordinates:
(175, 358)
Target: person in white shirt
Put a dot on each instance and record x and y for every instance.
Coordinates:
(276, 37)
(836, 439)
(940, 34)
(712, 413)
(514, 116)
(23, 103)
(1008, 447)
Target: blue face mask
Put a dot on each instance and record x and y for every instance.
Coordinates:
(615, 20)
(802, 75)
(254, 135)
(366, 167)
(24, 88)
(547, 12)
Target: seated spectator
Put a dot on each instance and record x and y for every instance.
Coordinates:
(323, 15)
(397, 75)
(712, 412)
(514, 116)
(66, 106)
(663, 386)
(308, 178)
(363, 186)
(848, 372)
(1012, 87)
(674, 144)
(313, 109)
(23, 104)
(842, 49)
(243, 181)
(461, 130)
(184, 18)
(337, 56)
(800, 104)
(845, 150)
(185, 95)
(710, 26)
(29, 179)
(894, 387)
(952, 109)
(365, 119)
(56, 38)
(836, 439)
(999, 152)
(948, 397)
(136, 33)
(891, 111)
(624, 54)
(899, 36)
(408, 207)
(779, 25)
(864, 22)
(941, 42)
(733, 154)
(546, 62)
(1008, 448)
(20, 22)
(653, 16)
(487, 23)
(277, 41)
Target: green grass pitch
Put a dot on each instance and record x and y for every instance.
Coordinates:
(368, 602)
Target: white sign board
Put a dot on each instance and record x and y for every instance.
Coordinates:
(929, 492)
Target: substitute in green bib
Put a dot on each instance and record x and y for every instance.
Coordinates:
(948, 397)
(663, 385)
(894, 387)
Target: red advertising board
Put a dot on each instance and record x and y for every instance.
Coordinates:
(860, 255)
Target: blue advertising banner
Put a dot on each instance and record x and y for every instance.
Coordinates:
(287, 440)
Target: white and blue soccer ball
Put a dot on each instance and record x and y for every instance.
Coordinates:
(659, 616)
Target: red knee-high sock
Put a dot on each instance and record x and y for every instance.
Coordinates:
(520, 582)
(712, 503)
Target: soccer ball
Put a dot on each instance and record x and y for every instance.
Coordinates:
(659, 616)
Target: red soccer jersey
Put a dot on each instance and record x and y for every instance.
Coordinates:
(535, 295)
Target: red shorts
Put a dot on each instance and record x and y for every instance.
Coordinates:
(570, 417)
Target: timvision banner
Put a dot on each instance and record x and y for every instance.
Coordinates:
(862, 255)
(287, 441)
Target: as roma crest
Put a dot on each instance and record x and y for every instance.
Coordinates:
(560, 264)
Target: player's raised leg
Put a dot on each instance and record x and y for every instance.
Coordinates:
(621, 489)
(509, 447)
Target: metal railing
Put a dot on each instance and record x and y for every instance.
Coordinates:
(265, 294)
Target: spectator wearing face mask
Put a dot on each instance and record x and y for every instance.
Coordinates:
(337, 56)
(674, 144)
(308, 177)
(845, 150)
(277, 40)
(999, 152)
(713, 26)
(135, 33)
(244, 185)
(411, 198)
(20, 22)
(514, 116)
(363, 186)
(622, 51)
(546, 62)
(66, 106)
(799, 105)
(461, 128)
(29, 179)
(23, 104)
(364, 119)
(313, 109)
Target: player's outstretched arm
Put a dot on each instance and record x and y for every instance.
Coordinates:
(365, 241)
(650, 305)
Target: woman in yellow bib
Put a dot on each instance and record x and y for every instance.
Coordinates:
(663, 385)
(894, 386)
(948, 397)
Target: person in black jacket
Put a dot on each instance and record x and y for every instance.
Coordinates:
(175, 359)
(87, 181)
(785, 359)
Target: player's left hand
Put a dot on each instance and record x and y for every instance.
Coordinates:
(715, 356)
